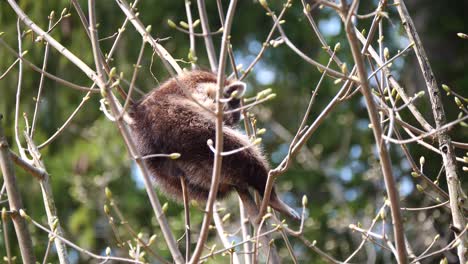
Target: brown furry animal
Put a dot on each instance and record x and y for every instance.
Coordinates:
(167, 121)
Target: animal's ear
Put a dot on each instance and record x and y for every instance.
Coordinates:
(236, 87)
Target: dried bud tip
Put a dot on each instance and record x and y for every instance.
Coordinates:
(171, 23)
(386, 53)
(64, 11)
(112, 72)
(458, 102)
(266, 216)
(106, 209)
(337, 47)
(305, 200)
(462, 35)
(165, 207)
(4, 213)
(174, 156)
(344, 68)
(257, 141)
(24, 215)
(420, 188)
(261, 131)
(446, 88)
(184, 24)
(226, 217)
(151, 239)
(263, 3)
(108, 193)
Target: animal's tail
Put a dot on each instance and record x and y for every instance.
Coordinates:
(283, 208)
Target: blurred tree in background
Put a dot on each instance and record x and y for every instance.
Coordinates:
(338, 168)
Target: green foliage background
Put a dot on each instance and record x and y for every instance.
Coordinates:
(340, 173)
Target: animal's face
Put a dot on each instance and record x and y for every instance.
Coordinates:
(203, 87)
(205, 93)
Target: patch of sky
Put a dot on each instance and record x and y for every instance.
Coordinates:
(362, 102)
(362, 124)
(405, 165)
(355, 151)
(278, 155)
(406, 186)
(351, 194)
(330, 27)
(254, 46)
(346, 174)
(357, 166)
(137, 176)
(264, 75)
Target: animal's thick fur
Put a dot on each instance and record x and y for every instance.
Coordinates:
(168, 121)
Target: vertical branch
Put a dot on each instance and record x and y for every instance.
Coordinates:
(6, 239)
(242, 210)
(49, 203)
(14, 200)
(167, 233)
(41, 81)
(219, 135)
(18, 89)
(192, 51)
(183, 184)
(207, 35)
(245, 231)
(377, 131)
(445, 142)
(223, 236)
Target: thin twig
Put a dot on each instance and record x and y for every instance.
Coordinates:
(9, 69)
(6, 239)
(41, 81)
(66, 123)
(223, 235)
(192, 50)
(18, 91)
(186, 199)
